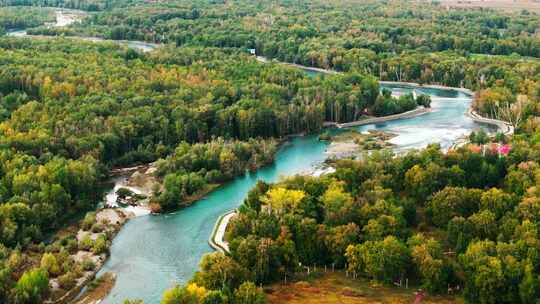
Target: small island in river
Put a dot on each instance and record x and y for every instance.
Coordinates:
(352, 143)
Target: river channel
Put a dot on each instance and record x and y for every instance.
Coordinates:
(152, 253)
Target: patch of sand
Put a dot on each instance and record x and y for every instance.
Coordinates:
(342, 149)
(113, 216)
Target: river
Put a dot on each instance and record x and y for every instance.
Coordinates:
(65, 17)
(152, 253)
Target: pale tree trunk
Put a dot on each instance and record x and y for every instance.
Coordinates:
(514, 112)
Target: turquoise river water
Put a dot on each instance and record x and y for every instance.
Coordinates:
(152, 253)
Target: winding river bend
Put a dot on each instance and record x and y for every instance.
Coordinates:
(152, 253)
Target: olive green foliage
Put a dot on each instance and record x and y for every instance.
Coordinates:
(32, 286)
(305, 31)
(70, 110)
(445, 231)
(248, 293)
(190, 168)
(13, 18)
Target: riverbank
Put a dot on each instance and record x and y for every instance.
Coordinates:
(263, 59)
(138, 182)
(381, 119)
(106, 225)
(353, 144)
(137, 45)
(429, 86)
(97, 289)
(505, 127)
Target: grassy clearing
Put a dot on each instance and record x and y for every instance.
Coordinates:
(334, 288)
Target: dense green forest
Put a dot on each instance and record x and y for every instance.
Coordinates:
(207, 111)
(188, 94)
(91, 5)
(192, 168)
(404, 41)
(322, 33)
(456, 219)
(12, 18)
(78, 109)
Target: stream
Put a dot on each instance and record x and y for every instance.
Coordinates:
(153, 253)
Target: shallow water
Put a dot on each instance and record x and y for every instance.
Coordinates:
(152, 253)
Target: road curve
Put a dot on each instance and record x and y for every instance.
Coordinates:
(217, 238)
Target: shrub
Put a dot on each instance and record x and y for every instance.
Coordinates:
(248, 293)
(50, 264)
(124, 192)
(71, 246)
(86, 243)
(88, 264)
(88, 221)
(97, 227)
(100, 245)
(67, 281)
(32, 287)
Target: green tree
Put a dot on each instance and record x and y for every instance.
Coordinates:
(529, 288)
(496, 201)
(32, 287)
(338, 205)
(49, 264)
(248, 293)
(384, 260)
(338, 239)
(427, 255)
(219, 271)
(451, 202)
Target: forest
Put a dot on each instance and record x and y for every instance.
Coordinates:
(413, 42)
(192, 168)
(320, 33)
(205, 111)
(12, 18)
(209, 114)
(439, 220)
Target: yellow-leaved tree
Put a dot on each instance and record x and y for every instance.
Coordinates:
(279, 199)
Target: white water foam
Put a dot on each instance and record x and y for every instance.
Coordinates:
(111, 197)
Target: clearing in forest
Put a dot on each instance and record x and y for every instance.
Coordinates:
(334, 288)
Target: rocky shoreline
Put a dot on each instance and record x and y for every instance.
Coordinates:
(127, 199)
(352, 144)
(110, 222)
